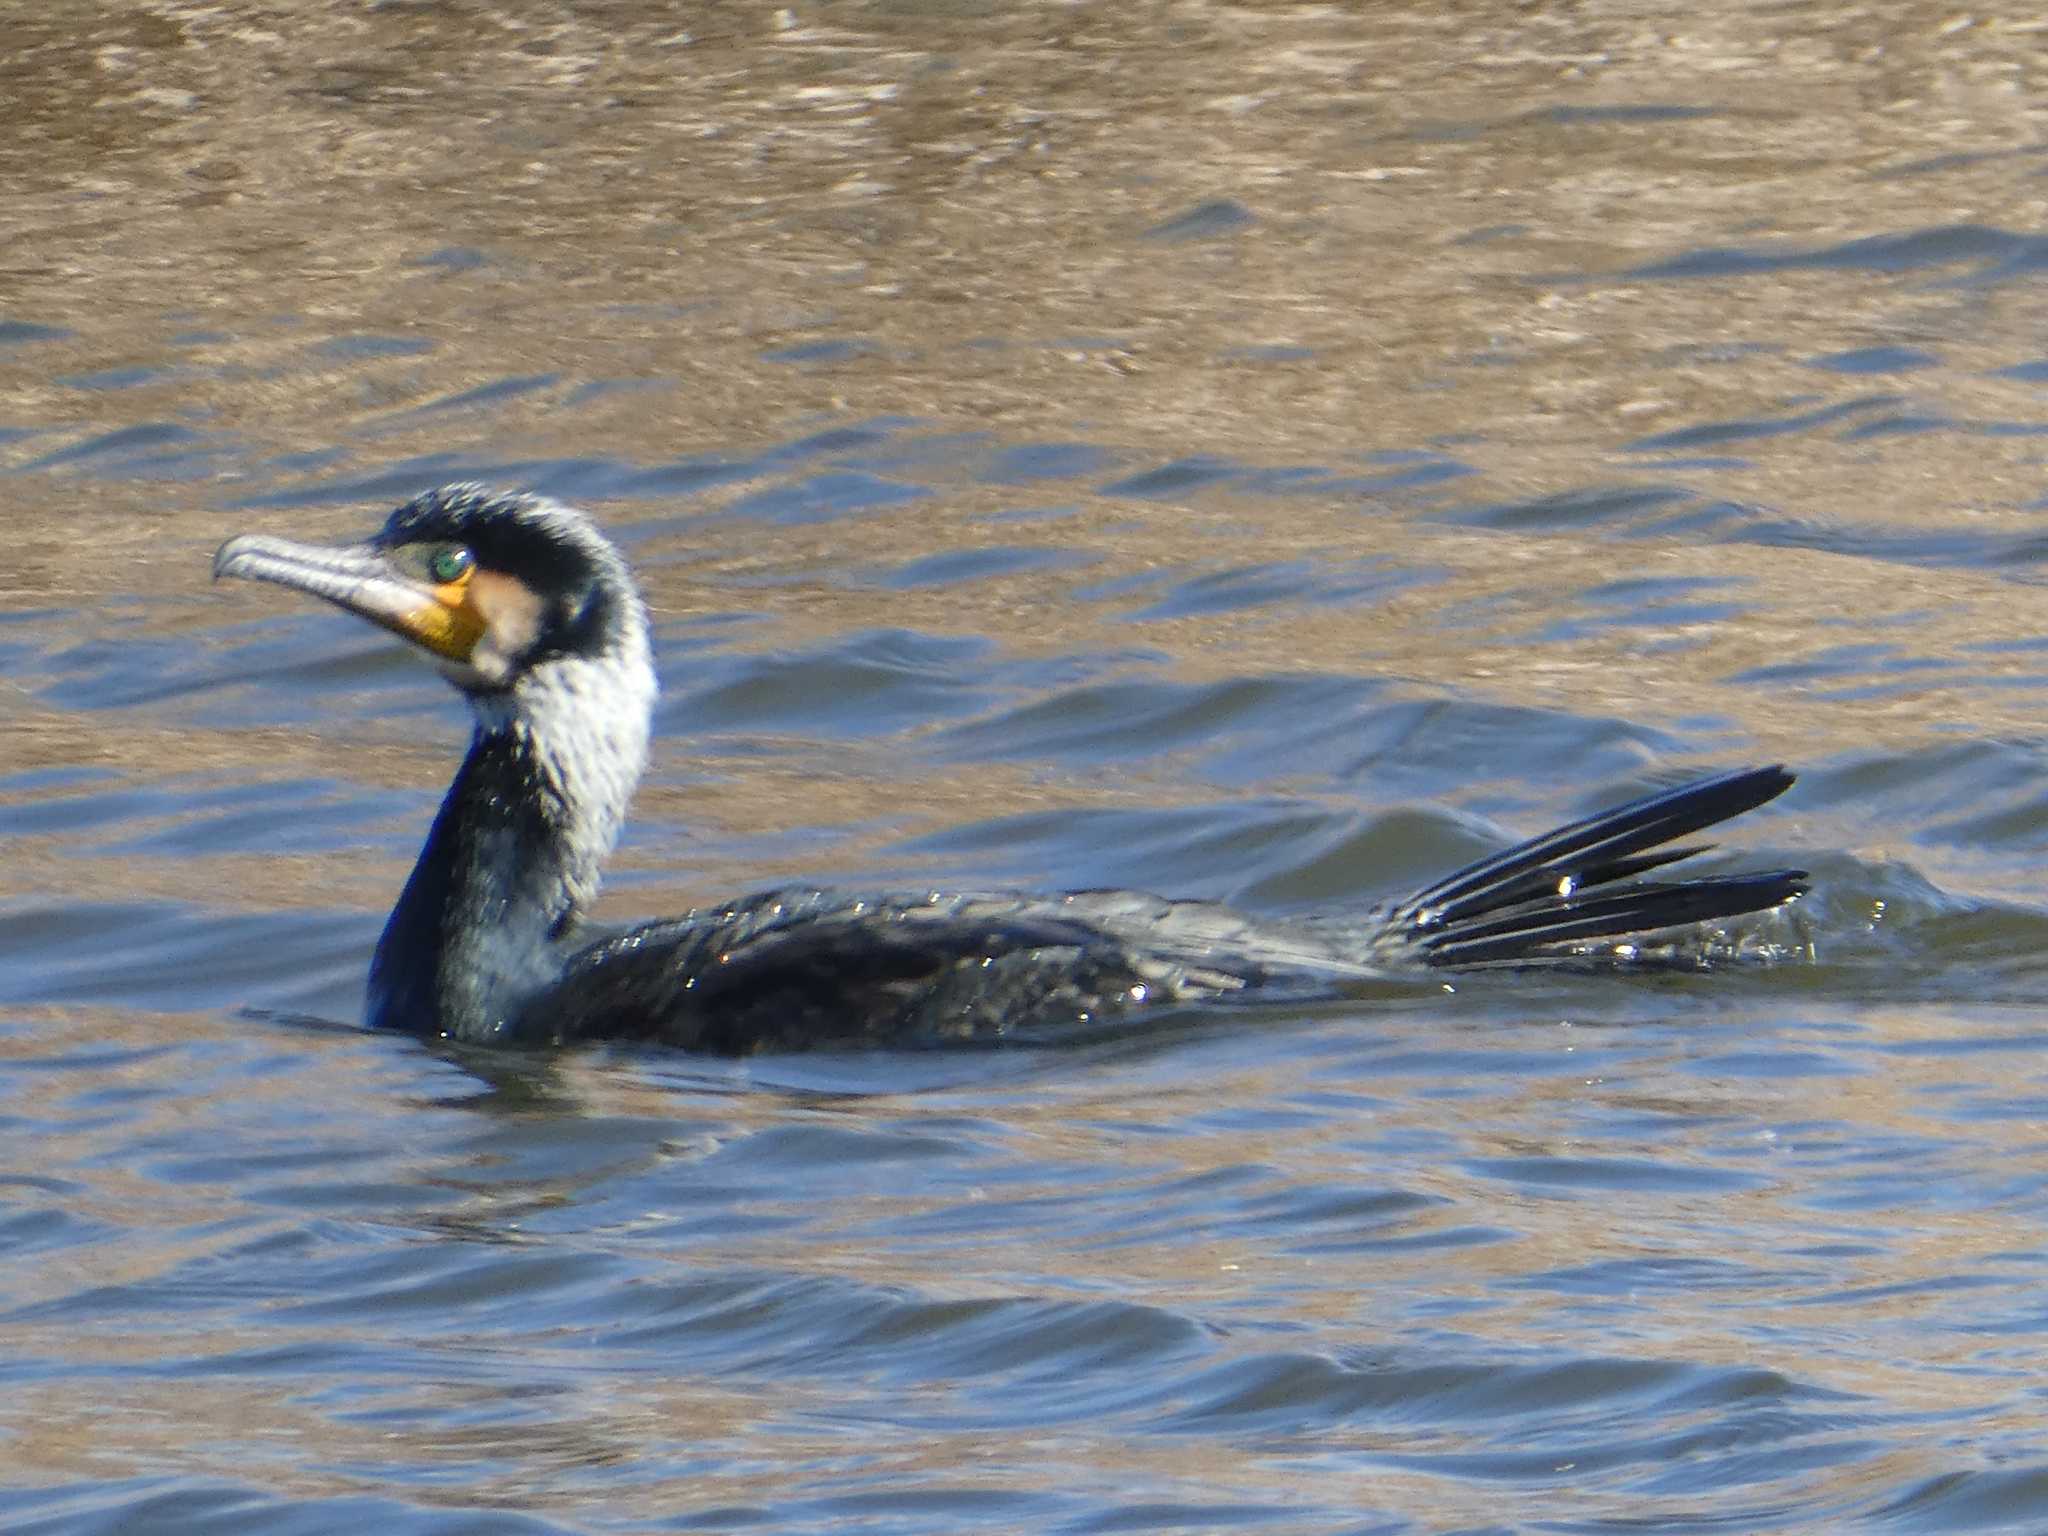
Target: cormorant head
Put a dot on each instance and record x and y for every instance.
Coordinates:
(495, 587)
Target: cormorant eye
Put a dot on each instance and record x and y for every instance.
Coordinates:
(450, 563)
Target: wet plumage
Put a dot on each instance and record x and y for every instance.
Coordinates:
(529, 611)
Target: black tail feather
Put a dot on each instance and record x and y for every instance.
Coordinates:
(1518, 936)
(1568, 886)
(1642, 864)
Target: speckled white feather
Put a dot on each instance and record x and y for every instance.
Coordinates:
(585, 720)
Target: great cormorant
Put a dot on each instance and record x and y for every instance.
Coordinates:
(527, 609)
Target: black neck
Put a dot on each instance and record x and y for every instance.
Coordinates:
(474, 933)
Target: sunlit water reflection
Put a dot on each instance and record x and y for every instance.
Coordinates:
(1026, 500)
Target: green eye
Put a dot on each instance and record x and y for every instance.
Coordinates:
(449, 563)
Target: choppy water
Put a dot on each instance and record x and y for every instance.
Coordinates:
(1258, 454)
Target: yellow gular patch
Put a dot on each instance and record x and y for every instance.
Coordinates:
(450, 594)
(450, 624)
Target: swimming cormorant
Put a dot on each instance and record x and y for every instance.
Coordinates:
(527, 609)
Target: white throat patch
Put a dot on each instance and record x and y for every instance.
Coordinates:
(586, 722)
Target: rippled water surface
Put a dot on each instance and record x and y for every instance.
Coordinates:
(1243, 451)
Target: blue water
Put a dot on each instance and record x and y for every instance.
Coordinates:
(1147, 547)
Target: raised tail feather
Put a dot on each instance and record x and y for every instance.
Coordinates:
(1540, 902)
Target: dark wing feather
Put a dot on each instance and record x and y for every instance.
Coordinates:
(798, 968)
(794, 970)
